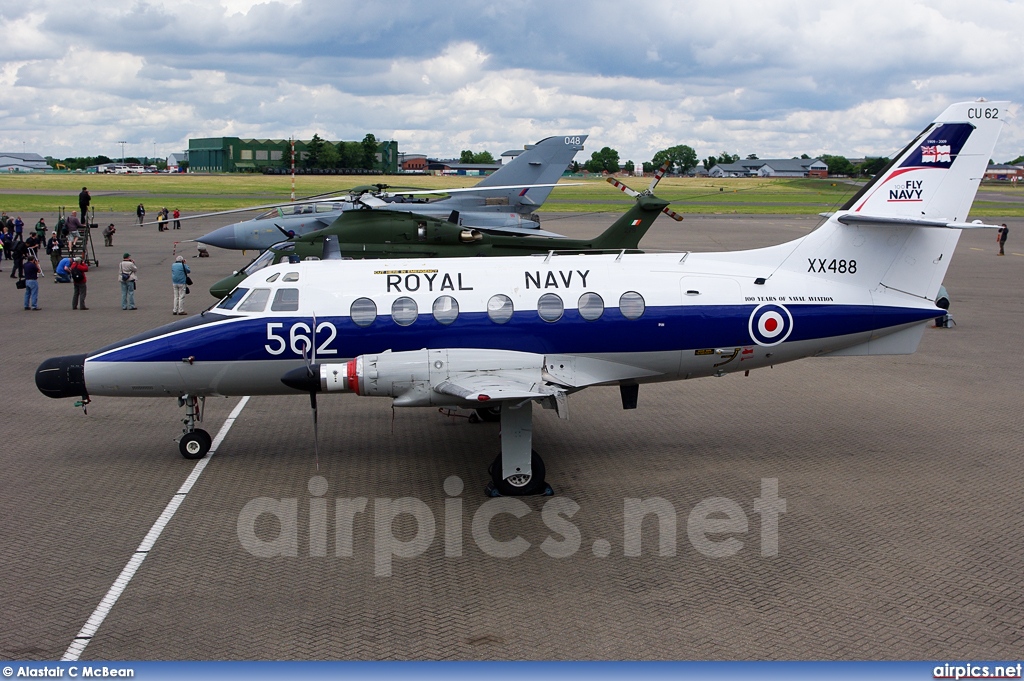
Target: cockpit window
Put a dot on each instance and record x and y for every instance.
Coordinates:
(256, 301)
(285, 300)
(273, 277)
(267, 258)
(272, 213)
(291, 276)
(232, 299)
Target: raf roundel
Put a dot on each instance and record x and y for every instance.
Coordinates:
(770, 324)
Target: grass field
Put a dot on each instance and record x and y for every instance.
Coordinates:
(203, 193)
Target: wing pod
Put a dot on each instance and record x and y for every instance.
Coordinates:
(446, 377)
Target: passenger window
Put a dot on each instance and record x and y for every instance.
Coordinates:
(232, 299)
(404, 311)
(631, 305)
(446, 309)
(256, 301)
(550, 307)
(285, 300)
(291, 276)
(363, 311)
(591, 306)
(499, 308)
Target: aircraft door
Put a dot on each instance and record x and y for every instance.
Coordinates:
(713, 334)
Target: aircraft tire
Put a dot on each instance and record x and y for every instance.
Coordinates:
(207, 438)
(195, 445)
(512, 488)
(489, 414)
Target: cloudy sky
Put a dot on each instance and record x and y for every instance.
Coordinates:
(857, 77)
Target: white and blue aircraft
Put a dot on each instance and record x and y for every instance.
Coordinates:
(505, 333)
(505, 201)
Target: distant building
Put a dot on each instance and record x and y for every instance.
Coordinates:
(14, 162)
(772, 167)
(412, 162)
(453, 167)
(1004, 171)
(174, 161)
(233, 154)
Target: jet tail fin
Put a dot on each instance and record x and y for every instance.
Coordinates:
(898, 232)
(936, 176)
(541, 163)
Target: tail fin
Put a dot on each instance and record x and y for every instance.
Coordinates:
(627, 231)
(541, 163)
(900, 230)
(936, 176)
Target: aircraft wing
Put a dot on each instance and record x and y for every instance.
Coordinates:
(483, 387)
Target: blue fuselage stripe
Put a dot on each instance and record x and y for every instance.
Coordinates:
(659, 329)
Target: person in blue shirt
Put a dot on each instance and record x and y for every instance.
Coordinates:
(179, 282)
(32, 283)
(62, 275)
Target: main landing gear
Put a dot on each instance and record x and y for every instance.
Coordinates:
(518, 470)
(195, 442)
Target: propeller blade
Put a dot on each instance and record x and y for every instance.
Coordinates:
(321, 198)
(371, 201)
(672, 214)
(658, 174)
(316, 430)
(313, 339)
(622, 188)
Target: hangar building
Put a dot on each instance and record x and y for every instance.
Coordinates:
(233, 154)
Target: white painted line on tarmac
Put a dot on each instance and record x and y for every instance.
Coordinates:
(77, 646)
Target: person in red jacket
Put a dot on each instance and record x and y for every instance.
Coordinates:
(78, 270)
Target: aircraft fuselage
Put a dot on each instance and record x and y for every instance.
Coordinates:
(641, 318)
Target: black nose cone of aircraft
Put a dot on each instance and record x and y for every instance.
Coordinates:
(62, 377)
(306, 379)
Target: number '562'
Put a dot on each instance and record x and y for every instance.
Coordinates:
(298, 338)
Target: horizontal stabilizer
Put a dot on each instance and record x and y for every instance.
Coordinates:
(859, 219)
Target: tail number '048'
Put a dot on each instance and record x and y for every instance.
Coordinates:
(298, 339)
(834, 266)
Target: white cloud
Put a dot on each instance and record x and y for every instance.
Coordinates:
(784, 78)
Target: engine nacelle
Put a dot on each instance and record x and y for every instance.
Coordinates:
(410, 377)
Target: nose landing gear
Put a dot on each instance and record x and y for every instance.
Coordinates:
(194, 442)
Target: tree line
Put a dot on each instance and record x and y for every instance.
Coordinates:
(322, 154)
(682, 159)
